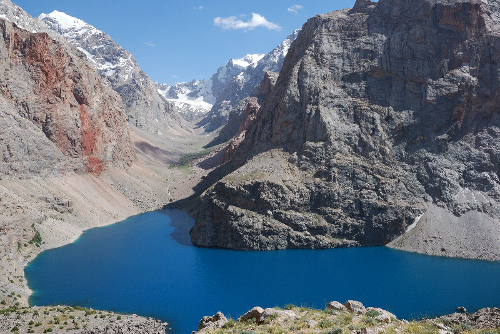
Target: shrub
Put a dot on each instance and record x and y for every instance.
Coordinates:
(335, 331)
(369, 321)
(461, 328)
(372, 314)
(289, 306)
(248, 332)
(120, 318)
(229, 324)
(343, 319)
(325, 323)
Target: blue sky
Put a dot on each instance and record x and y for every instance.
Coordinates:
(175, 41)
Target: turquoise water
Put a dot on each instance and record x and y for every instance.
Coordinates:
(146, 265)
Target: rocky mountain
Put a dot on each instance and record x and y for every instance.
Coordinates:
(145, 107)
(244, 114)
(384, 116)
(242, 85)
(57, 114)
(195, 99)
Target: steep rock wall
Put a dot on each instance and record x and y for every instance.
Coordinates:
(58, 114)
(379, 112)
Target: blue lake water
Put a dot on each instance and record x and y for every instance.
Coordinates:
(146, 265)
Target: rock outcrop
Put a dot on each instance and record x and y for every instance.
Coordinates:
(483, 318)
(57, 114)
(144, 106)
(247, 117)
(379, 112)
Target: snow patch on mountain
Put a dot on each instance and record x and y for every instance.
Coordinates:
(67, 22)
(196, 98)
(241, 84)
(248, 60)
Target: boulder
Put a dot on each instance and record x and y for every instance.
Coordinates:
(355, 307)
(254, 313)
(270, 313)
(335, 305)
(216, 321)
(384, 315)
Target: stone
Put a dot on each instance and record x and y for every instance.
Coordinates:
(218, 320)
(270, 313)
(384, 316)
(335, 305)
(254, 313)
(311, 323)
(461, 309)
(355, 307)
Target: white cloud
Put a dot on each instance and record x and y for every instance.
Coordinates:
(198, 8)
(256, 21)
(174, 76)
(149, 44)
(295, 8)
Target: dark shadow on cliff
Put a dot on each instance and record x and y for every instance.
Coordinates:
(182, 224)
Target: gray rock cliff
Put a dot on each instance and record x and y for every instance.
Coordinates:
(380, 113)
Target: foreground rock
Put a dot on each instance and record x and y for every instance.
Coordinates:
(484, 318)
(59, 319)
(360, 320)
(381, 113)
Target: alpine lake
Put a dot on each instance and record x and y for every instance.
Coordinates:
(147, 265)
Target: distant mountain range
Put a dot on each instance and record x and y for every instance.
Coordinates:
(215, 98)
(151, 105)
(242, 85)
(194, 99)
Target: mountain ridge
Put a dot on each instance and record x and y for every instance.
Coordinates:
(145, 107)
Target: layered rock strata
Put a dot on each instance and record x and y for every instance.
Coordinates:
(379, 113)
(57, 114)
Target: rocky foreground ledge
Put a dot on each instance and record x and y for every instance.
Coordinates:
(64, 319)
(350, 317)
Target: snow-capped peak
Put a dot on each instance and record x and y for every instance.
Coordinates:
(64, 23)
(248, 60)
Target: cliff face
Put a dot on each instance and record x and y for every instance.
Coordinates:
(57, 114)
(380, 113)
(144, 106)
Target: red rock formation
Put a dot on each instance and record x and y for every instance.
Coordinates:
(52, 85)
